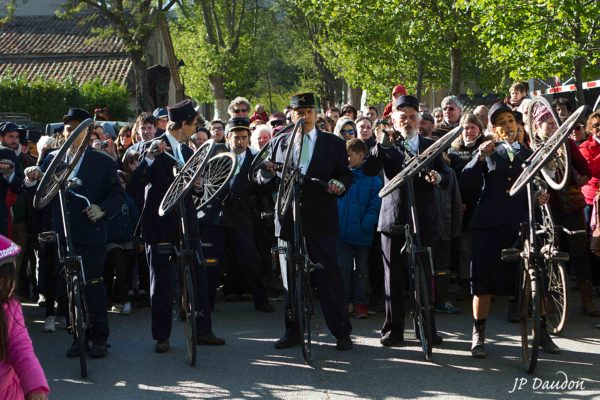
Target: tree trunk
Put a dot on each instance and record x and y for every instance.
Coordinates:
(142, 88)
(354, 95)
(420, 73)
(455, 70)
(218, 90)
(578, 71)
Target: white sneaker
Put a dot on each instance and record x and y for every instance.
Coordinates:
(117, 307)
(126, 310)
(49, 324)
(41, 300)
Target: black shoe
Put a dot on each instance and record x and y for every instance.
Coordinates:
(210, 340)
(478, 341)
(74, 351)
(436, 339)
(344, 344)
(286, 341)
(390, 341)
(98, 350)
(162, 346)
(546, 342)
(513, 316)
(265, 307)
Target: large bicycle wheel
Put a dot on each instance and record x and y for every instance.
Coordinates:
(544, 154)
(529, 302)
(417, 163)
(188, 302)
(185, 178)
(215, 177)
(79, 324)
(422, 315)
(290, 164)
(59, 169)
(304, 312)
(556, 299)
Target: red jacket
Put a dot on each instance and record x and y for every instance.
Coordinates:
(590, 149)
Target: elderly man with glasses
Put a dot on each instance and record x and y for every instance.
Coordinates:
(452, 109)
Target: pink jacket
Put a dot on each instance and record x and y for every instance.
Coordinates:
(590, 149)
(22, 373)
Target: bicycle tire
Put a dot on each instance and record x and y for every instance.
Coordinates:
(556, 299)
(215, 176)
(304, 313)
(182, 183)
(543, 154)
(529, 301)
(58, 171)
(286, 183)
(422, 313)
(417, 163)
(79, 325)
(189, 323)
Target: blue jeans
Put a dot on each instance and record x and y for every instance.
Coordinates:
(354, 264)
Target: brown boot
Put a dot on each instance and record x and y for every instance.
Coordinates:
(587, 306)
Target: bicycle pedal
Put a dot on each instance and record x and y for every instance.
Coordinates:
(510, 254)
(560, 256)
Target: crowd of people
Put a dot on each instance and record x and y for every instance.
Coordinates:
(464, 211)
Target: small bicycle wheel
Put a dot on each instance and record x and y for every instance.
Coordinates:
(79, 325)
(185, 178)
(59, 170)
(304, 313)
(188, 302)
(263, 155)
(288, 172)
(544, 155)
(529, 302)
(555, 301)
(422, 316)
(417, 163)
(215, 177)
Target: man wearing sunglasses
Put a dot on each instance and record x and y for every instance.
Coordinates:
(239, 107)
(452, 109)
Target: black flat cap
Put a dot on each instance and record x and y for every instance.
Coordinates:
(427, 117)
(6, 127)
(182, 111)
(303, 100)
(497, 109)
(77, 114)
(406, 101)
(236, 123)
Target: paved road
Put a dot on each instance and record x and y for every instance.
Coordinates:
(249, 367)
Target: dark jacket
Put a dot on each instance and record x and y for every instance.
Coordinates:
(122, 226)
(359, 208)
(16, 186)
(394, 210)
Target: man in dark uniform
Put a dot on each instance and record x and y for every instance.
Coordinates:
(390, 154)
(11, 171)
(156, 173)
(88, 224)
(325, 159)
(233, 226)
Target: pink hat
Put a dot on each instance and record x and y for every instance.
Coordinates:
(8, 250)
(540, 114)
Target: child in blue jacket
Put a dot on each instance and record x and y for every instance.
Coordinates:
(358, 213)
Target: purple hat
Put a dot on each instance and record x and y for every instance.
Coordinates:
(541, 113)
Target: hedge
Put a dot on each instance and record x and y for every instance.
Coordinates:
(47, 100)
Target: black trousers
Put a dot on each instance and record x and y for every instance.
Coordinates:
(163, 274)
(330, 288)
(394, 265)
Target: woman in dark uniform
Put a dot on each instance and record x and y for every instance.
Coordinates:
(495, 222)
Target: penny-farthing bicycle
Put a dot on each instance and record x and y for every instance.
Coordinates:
(419, 257)
(57, 180)
(536, 250)
(186, 256)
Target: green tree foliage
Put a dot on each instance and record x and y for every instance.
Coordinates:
(47, 100)
(540, 38)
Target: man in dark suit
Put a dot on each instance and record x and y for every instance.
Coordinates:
(396, 146)
(156, 173)
(88, 225)
(232, 226)
(11, 171)
(325, 159)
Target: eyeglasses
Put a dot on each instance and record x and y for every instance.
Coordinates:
(347, 132)
(449, 108)
(276, 122)
(217, 128)
(240, 110)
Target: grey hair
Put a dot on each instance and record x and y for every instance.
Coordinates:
(452, 100)
(235, 102)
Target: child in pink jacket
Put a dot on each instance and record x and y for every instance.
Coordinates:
(21, 375)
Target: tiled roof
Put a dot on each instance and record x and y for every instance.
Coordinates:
(57, 48)
(51, 35)
(82, 68)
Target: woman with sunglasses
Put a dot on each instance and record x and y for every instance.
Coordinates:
(345, 128)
